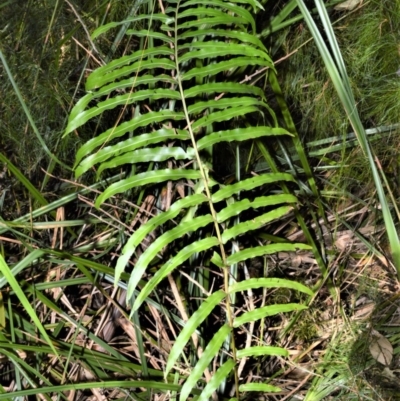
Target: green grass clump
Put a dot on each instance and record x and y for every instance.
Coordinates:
(370, 44)
(369, 40)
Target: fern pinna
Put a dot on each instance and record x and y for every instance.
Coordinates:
(188, 91)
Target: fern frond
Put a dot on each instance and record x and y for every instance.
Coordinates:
(186, 95)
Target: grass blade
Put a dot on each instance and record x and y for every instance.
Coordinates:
(25, 302)
(341, 82)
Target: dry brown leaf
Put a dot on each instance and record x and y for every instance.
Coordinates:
(364, 311)
(344, 240)
(389, 374)
(180, 188)
(347, 5)
(380, 348)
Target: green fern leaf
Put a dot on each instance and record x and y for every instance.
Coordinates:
(217, 260)
(191, 325)
(215, 49)
(200, 11)
(155, 154)
(146, 178)
(129, 145)
(123, 128)
(138, 67)
(254, 224)
(209, 353)
(226, 115)
(260, 387)
(249, 184)
(265, 250)
(151, 252)
(121, 100)
(153, 17)
(239, 134)
(210, 88)
(261, 351)
(238, 207)
(130, 83)
(123, 66)
(168, 267)
(255, 283)
(213, 69)
(144, 230)
(216, 380)
(265, 311)
(215, 21)
(243, 37)
(144, 33)
(244, 101)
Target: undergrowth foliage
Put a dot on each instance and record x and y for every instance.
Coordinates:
(186, 89)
